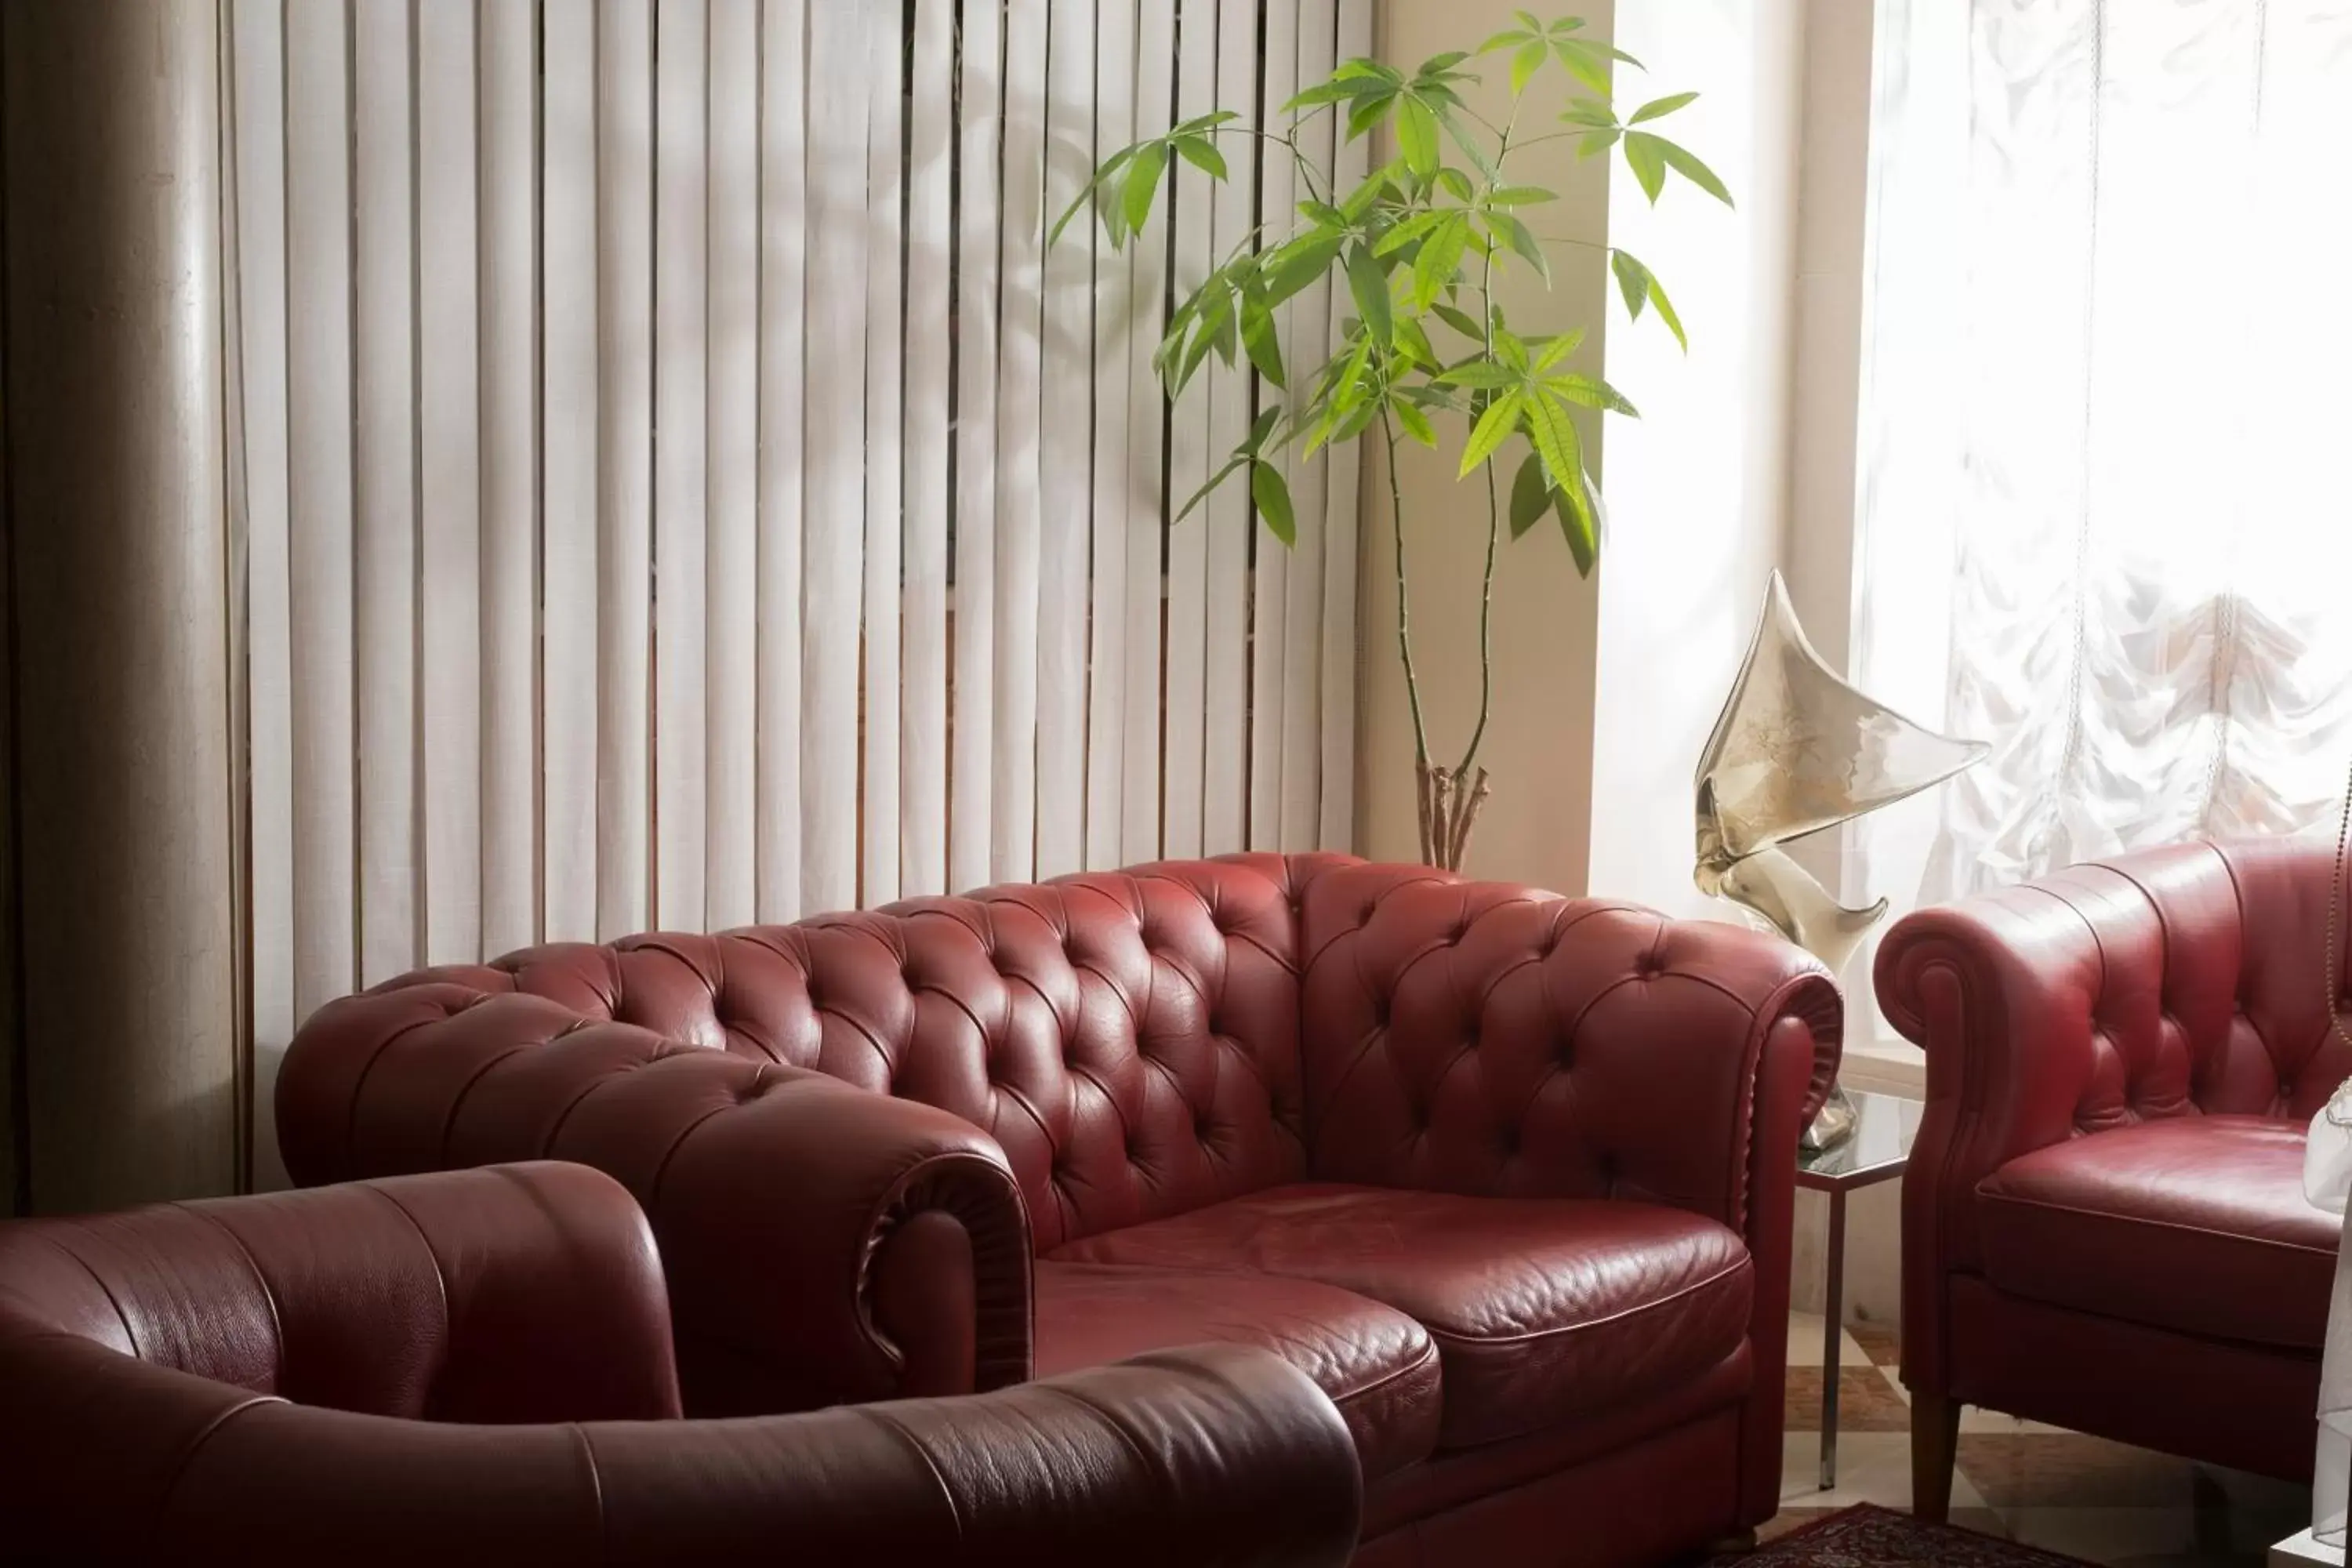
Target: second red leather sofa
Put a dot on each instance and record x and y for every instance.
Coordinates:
(1508, 1175)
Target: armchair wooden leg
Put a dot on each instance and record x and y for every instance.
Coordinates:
(1935, 1442)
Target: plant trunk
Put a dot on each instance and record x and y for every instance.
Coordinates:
(1450, 802)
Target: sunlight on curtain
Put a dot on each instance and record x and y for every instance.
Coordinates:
(2105, 517)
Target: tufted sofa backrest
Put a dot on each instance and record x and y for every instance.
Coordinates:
(1494, 1040)
(1129, 1039)
(2210, 990)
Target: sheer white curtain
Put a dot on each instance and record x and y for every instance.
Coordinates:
(2106, 512)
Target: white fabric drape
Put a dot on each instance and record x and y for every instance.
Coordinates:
(679, 485)
(2105, 523)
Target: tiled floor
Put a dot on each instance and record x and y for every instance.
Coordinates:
(2082, 1496)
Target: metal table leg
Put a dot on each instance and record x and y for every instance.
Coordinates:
(1832, 1335)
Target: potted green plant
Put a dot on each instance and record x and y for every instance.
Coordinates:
(1420, 242)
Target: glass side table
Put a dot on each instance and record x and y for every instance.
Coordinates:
(1880, 1146)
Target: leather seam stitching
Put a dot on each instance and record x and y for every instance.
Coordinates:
(2268, 1244)
(899, 1430)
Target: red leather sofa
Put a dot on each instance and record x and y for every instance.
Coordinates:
(2103, 1224)
(474, 1368)
(1509, 1175)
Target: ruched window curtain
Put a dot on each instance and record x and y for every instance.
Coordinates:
(674, 483)
(2105, 520)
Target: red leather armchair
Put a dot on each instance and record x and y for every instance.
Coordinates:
(474, 1368)
(1509, 1175)
(2103, 1220)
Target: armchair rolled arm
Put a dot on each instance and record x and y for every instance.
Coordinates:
(822, 1243)
(2046, 1010)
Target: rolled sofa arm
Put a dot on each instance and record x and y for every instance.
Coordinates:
(1183, 1459)
(823, 1243)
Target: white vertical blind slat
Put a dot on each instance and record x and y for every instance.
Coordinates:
(1269, 581)
(835, 452)
(971, 760)
(449, 495)
(1114, 493)
(625, 414)
(1065, 481)
(508, 215)
(1188, 461)
(1021, 327)
(383, 234)
(318, 501)
(879, 812)
(730, 648)
(258, 85)
(1226, 518)
(923, 714)
(784, 141)
(1339, 809)
(1307, 345)
(570, 712)
(681, 270)
(1147, 432)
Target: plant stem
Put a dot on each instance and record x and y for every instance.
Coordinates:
(1494, 505)
(1404, 597)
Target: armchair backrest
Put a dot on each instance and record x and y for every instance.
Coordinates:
(520, 1293)
(2211, 991)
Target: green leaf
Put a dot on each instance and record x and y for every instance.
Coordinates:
(1201, 122)
(1273, 497)
(1456, 184)
(1595, 142)
(1323, 214)
(1202, 154)
(1591, 111)
(1687, 164)
(1413, 228)
(1530, 494)
(1110, 167)
(1298, 263)
(1645, 157)
(1359, 200)
(1416, 131)
(1509, 38)
(1525, 61)
(1472, 148)
(1579, 524)
(1478, 373)
(1370, 111)
(1591, 392)
(1231, 463)
(1556, 349)
(1460, 321)
(1494, 428)
(1516, 235)
(1659, 108)
(1413, 343)
(1440, 257)
(1142, 183)
(1633, 282)
(1260, 429)
(1416, 424)
(1554, 437)
(1369, 286)
(1667, 312)
(1521, 195)
(1263, 344)
(1584, 62)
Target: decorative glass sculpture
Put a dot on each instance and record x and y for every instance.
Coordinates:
(1799, 750)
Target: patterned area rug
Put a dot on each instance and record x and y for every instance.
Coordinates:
(1869, 1537)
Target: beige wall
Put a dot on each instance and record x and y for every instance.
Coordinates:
(1539, 743)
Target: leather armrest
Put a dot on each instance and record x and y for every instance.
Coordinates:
(2004, 992)
(822, 1243)
(1211, 1455)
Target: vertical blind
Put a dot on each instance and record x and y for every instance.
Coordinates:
(675, 482)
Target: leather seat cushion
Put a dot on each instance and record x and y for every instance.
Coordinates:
(2191, 1222)
(1542, 1309)
(1377, 1364)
